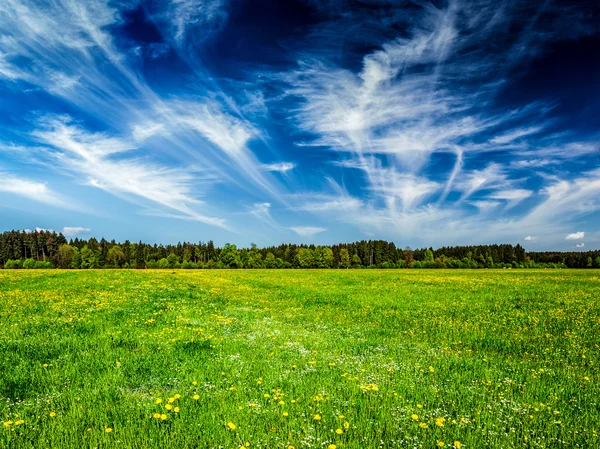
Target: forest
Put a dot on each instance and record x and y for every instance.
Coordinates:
(48, 249)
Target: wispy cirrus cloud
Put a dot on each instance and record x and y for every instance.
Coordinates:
(32, 190)
(307, 231)
(98, 160)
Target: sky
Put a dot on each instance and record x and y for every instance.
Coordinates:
(266, 121)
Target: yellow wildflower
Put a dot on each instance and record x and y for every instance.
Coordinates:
(231, 426)
(108, 430)
(317, 417)
(414, 417)
(196, 397)
(422, 425)
(339, 431)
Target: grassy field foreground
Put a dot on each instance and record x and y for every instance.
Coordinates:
(299, 359)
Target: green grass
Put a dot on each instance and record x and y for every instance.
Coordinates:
(502, 359)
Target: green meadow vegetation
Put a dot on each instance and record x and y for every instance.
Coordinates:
(351, 359)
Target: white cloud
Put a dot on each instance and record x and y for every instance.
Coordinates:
(307, 231)
(575, 236)
(580, 245)
(186, 14)
(530, 238)
(91, 157)
(32, 190)
(70, 231)
(262, 211)
(281, 167)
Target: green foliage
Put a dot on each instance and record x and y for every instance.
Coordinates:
(345, 258)
(64, 256)
(29, 263)
(115, 257)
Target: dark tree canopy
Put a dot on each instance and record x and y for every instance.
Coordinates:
(47, 249)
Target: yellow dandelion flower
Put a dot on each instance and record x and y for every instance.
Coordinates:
(440, 422)
(168, 406)
(341, 416)
(332, 446)
(286, 414)
(19, 422)
(431, 370)
(346, 425)
(196, 397)
(440, 444)
(457, 444)
(422, 425)
(317, 418)
(419, 405)
(339, 431)
(171, 400)
(231, 426)
(108, 430)
(266, 395)
(194, 382)
(156, 416)
(52, 414)
(177, 396)
(163, 417)
(281, 403)
(414, 417)
(176, 409)
(291, 447)
(158, 401)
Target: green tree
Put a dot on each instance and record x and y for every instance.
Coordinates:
(270, 260)
(345, 258)
(229, 256)
(598, 262)
(115, 256)
(327, 257)
(88, 258)
(76, 261)
(428, 262)
(140, 261)
(306, 258)
(64, 256)
(356, 262)
(172, 260)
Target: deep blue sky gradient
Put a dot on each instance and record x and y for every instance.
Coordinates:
(425, 123)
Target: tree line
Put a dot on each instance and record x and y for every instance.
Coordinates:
(48, 249)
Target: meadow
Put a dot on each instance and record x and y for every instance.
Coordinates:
(294, 359)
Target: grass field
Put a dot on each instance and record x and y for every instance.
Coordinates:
(300, 359)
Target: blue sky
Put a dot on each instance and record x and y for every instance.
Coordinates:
(242, 121)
